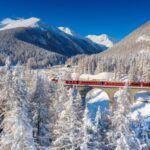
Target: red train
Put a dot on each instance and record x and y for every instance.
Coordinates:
(105, 83)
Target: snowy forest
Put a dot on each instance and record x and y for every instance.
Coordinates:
(135, 66)
(39, 114)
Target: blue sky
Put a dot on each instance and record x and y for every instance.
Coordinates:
(116, 18)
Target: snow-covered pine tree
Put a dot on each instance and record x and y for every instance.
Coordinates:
(100, 130)
(68, 126)
(40, 103)
(60, 129)
(17, 132)
(87, 143)
(76, 120)
(121, 134)
(142, 132)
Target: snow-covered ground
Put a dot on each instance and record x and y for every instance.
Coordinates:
(105, 76)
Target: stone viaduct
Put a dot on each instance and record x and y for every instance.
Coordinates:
(111, 90)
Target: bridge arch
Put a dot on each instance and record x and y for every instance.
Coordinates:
(109, 91)
(96, 93)
(133, 92)
(95, 98)
(142, 95)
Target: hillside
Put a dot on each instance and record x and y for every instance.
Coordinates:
(130, 57)
(137, 41)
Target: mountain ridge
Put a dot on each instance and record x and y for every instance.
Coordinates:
(102, 39)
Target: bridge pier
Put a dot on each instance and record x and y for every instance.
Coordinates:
(83, 92)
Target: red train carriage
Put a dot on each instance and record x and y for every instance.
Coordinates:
(135, 84)
(89, 83)
(114, 84)
(146, 84)
(74, 82)
(140, 84)
(104, 83)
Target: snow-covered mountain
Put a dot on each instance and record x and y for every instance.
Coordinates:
(102, 39)
(37, 35)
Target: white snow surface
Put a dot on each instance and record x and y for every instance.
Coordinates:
(104, 76)
(102, 39)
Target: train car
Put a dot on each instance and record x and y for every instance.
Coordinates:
(114, 84)
(135, 84)
(73, 82)
(146, 84)
(89, 83)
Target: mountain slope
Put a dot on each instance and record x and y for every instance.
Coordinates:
(135, 43)
(21, 50)
(46, 36)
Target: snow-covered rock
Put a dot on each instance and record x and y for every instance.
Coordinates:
(102, 39)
